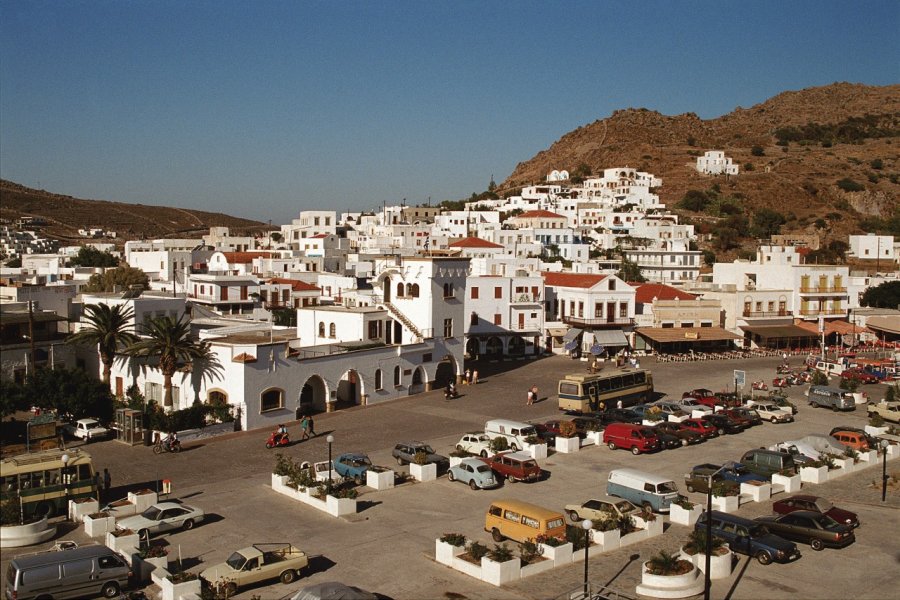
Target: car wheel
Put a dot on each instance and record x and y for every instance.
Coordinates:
(459, 447)
(400, 461)
(611, 445)
(816, 544)
(689, 487)
(230, 589)
(288, 577)
(451, 476)
(574, 516)
(358, 480)
(721, 432)
(511, 479)
(496, 535)
(188, 524)
(684, 442)
(473, 485)
(110, 589)
(764, 558)
(483, 454)
(43, 509)
(514, 447)
(635, 450)
(647, 508)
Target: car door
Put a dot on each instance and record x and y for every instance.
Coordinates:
(792, 527)
(171, 518)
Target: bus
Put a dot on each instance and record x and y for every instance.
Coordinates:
(44, 483)
(585, 392)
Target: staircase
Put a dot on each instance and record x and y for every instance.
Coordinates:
(395, 312)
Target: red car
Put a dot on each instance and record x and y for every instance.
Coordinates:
(815, 504)
(704, 428)
(703, 396)
(514, 466)
(860, 375)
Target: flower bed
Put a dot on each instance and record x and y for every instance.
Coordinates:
(336, 507)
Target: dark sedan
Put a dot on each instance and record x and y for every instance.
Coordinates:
(667, 441)
(815, 504)
(677, 429)
(723, 423)
(818, 530)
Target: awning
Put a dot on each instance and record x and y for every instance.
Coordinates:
(572, 334)
(686, 334)
(888, 324)
(556, 331)
(779, 331)
(610, 337)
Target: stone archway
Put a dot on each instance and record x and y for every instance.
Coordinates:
(473, 347)
(417, 384)
(516, 346)
(494, 346)
(313, 396)
(447, 370)
(349, 389)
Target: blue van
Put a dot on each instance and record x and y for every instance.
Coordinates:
(652, 492)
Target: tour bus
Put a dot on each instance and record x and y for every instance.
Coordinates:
(46, 481)
(586, 392)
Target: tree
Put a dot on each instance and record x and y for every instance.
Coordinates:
(694, 200)
(886, 295)
(108, 330)
(13, 397)
(630, 271)
(167, 343)
(88, 256)
(726, 238)
(757, 151)
(767, 222)
(121, 278)
(70, 392)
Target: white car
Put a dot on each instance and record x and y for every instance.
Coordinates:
(162, 516)
(87, 430)
(476, 442)
(773, 413)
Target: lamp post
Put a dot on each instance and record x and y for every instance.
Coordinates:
(709, 491)
(65, 478)
(586, 525)
(330, 440)
(884, 478)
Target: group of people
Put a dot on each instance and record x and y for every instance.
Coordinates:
(532, 395)
(307, 428)
(471, 377)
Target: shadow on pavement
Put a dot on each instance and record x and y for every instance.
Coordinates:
(364, 505)
(319, 564)
(737, 579)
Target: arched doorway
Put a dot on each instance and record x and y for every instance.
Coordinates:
(494, 347)
(446, 372)
(516, 346)
(473, 348)
(349, 390)
(312, 396)
(417, 384)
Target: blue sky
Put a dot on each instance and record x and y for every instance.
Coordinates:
(262, 109)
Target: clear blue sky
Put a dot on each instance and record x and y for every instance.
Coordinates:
(262, 109)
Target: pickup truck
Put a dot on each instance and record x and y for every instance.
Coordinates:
(889, 411)
(259, 562)
(86, 429)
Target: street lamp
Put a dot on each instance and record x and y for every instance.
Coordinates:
(65, 478)
(709, 482)
(330, 440)
(884, 478)
(586, 525)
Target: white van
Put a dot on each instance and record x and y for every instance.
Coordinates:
(652, 492)
(829, 367)
(515, 432)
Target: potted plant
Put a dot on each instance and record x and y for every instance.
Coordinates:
(666, 575)
(499, 444)
(179, 583)
(421, 469)
(448, 547)
(606, 533)
(684, 512)
(567, 440)
(719, 556)
(536, 446)
(556, 549)
(15, 533)
(725, 496)
(499, 566)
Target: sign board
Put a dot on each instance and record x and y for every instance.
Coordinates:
(740, 378)
(691, 335)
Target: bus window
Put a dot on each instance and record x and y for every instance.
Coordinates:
(569, 388)
(639, 377)
(84, 472)
(53, 477)
(10, 484)
(628, 380)
(615, 383)
(604, 385)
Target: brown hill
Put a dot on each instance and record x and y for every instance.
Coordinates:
(65, 215)
(856, 137)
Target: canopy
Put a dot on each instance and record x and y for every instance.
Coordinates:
(610, 337)
(572, 334)
(687, 334)
(779, 331)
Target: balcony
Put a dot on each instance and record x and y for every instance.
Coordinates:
(597, 323)
(750, 314)
(823, 289)
(525, 299)
(825, 312)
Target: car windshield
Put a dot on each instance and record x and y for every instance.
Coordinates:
(823, 505)
(94, 425)
(529, 464)
(236, 561)
(758, 531)
(625, 506)
(666, 488)
(826, 522)
(151, 513)
(526, 431)
(426, 448)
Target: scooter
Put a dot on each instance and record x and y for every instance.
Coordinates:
(759, 385)
(167, 446)
(783, 368)
(277, 438)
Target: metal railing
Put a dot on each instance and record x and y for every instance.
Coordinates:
(768, 313)
(822, 289)
(582, 322)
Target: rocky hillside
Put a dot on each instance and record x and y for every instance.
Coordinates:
(793, 150)
(65, 215)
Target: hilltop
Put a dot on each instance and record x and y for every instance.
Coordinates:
(65, 215)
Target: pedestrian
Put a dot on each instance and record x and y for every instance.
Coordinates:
(475, 377)
(468, 377)
(304, 428)
(619, 404)
(528, 400)
(99, 485)
(534, 394)
(312, 426)
(107, 480)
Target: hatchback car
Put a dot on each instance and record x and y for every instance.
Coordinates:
(162, 516)
(667, 441)
(743, 415)
(474, 473)
(772, 413)
(813, 528)
(514, 466)
(408, 452)
(352, 465)
(698, 479)
(859, 375)
(704, 428)
(677, 429)
(606, 508)
(723, 423)
(815, 504)
(851, 439)
(476, 442)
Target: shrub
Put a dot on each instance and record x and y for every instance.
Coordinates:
(454, 539)
(533, 439)
(848, 185)
(550, 540)
(529, 551)
(500, 553)
(851, 453)
(576, 536)
(283, 465)
(567, 429)
(421, 458)
(877, 164)
(477, 550)
(626, 524)
(684, 503)
(757, 151)
(499, 444)
(10, 511)
(748, 166)
(724, 488)
(876, 420)
(667, 563)
(819, 378)
(154, 551)
(828, 461)
(604, 524)
(697, 542)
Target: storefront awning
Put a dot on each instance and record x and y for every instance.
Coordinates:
(556, 331)
(779, 331)
(686, 334)
(572, 334)
(610, 338)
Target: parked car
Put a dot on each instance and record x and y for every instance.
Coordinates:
(637, 438)
(585, 423)
(407, 452)
(671, 408)
(548, 430)
(860, 375)
(162, 516)
(815, 504)
(744, 415)
(781, 402)
(749, 537)
(606, 508)
(813, 528)
(514, 466)
(622, 415)
(772, 413)
(851, 439)
(870, 439)
(698, 479)
(667, 441)
(723, 423)
(686, 435)
(704, 428)
(255, 564)
(474, 473)
(87, 430)
(702, 396)
(690, 405)
(799, 457)
(768, 462)
(476, 442)
(889, 411)
(353, 465)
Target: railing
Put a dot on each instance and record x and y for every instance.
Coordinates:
(813, 312)
(525, 298)
(822, 289)
(582, 322)
(768, 313)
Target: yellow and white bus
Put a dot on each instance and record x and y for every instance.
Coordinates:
(584, 392)
(46, 481)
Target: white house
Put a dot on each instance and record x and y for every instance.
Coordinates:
(714, 162)
(873, 247)
(505, 315)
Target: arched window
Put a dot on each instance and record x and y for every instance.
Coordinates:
(272, 399)
(217, 398)
(415, 290)
(447, 290)
(399, 290)
(322, 329)
(378, 382)
(409, 288)
(332, 330)
(397, 375)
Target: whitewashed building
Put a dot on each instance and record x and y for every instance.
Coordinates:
(714, 162)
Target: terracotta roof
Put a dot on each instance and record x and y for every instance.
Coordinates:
(296, 284)
(243, 357)
(646, 292)
(531, 214)
(474, 242)
(241, 258)
(686, 334)
(319, 236)
(574, 280)
(841, 327)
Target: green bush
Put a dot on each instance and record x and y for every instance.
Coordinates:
(477, 550)
(499, 444)
(529, 551)
(11, 511)
(550, 540)
(757, 151)
(454, 539)
(848, 185)
(500, 553)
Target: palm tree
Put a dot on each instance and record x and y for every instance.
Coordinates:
(109, 330)
(170, 343)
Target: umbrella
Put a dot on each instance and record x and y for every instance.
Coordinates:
(597, 349)
(332, 590)
(571, 345)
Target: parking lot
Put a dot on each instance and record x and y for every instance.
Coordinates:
(388, 546)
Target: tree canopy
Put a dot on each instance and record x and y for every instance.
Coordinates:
(88, 256)
(67, 391)
(121, 278)
(886, 295)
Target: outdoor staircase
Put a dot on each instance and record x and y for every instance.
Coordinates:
(395, 312)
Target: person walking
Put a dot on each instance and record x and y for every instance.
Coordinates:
(475, 377)
(312, 425)
(534, 394)
(528, 399)
(304, 428)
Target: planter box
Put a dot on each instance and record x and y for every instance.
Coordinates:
(464, 566)
(844, 466)
(697, 414)
(338, 507)
(144, 567)
(758, 493)
(123, 544)
(632, 538)
(535, 568)
(651, 422)
(455, 460)
(558, 555)
(683, 516)
(99, 526)
(142, 499)
(174, 591)
(677, 419)
(789, 484)
(595, 437)
(444, 553)
(423, 472)
(719, 565)
(876, 431)
(78, 509)
(608, 540)
(567, 445)
(893, 451)
(537, 451)
(814, 474)
(726, 504)
(499, 573)
(869, 456)
(670, 586)
(121, 508)
(279, 480)
(380, 481)
(16, 536)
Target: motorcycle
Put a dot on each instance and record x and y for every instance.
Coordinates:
(783, 369)
(759, 385)
(277, 438)
(167, 446)
(780, 382)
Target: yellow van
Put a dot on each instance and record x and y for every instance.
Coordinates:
(521, 521)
